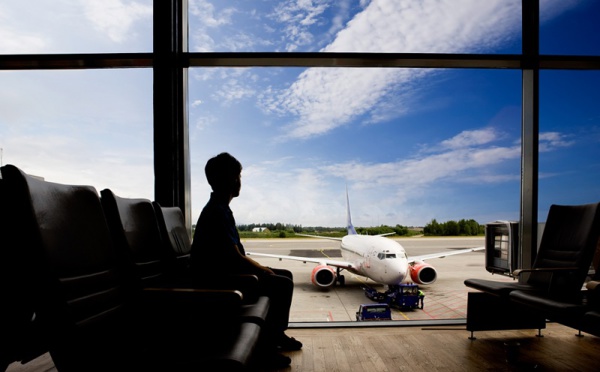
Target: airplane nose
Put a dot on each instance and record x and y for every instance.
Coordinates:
(399, 276)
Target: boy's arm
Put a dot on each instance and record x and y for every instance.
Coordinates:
(252, 266)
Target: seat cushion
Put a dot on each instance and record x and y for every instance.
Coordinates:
(591, 322)
(497, 288)
(256, 312)
(562, 311)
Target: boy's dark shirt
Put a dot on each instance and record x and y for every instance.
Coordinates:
(213, 248)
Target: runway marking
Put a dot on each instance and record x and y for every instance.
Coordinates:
(404, 315)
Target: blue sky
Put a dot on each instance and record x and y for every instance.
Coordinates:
(410, 144)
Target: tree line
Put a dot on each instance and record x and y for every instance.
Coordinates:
(454, 228)
(434, 228)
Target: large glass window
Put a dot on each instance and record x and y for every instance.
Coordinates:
(89, 127)
(569, 138)
(86, 26)
(411, 145)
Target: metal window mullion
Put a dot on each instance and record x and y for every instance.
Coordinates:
(530, 134)
(171, 147)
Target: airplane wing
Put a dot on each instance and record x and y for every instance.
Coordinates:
(338, 239)
(318, 260)
(443, 254)
(320, 237)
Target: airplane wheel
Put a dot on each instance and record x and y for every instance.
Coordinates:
(342, 280)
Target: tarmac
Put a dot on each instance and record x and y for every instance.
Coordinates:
(445, 300)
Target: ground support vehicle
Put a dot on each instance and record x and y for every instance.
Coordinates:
(403, 296)
(370, 312)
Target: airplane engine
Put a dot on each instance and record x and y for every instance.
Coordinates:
(423, 273)
(323, 276)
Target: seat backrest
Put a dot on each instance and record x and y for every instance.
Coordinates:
(175, 235)
(18, 338)
(569, 240)
(66, 265)
(172, 225)
(134, 228)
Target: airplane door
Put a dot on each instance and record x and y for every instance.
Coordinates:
(370, 256)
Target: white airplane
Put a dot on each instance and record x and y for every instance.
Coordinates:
(373, 256)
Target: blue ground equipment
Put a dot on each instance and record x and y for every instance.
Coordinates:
(403, 296)
(368, 312)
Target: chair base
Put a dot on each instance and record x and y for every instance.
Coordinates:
(486, 312)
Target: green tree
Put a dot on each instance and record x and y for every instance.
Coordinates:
(451, 228)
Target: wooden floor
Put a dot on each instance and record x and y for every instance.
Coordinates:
(429, 349)
(443, 349)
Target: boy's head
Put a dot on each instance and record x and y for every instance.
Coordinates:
(223, 173)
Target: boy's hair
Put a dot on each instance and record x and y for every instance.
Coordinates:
(222, 170)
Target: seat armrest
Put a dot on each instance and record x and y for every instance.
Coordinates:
(175, 310)
(191, 297)
(246, 284)
(168, 316)
(559, 282)
(593, 293)
(593, 285)
(518, 272)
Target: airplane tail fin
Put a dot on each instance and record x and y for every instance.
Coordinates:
(349, 225)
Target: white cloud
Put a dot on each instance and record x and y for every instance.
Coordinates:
(313, 195)
(233, 90)
(207, 14)
(324, 99)
(115, 18)
(12, 42)
(297, 17)
(470, 138)
(549, 141)
(51, 157)
(208, 18)
(14, 38)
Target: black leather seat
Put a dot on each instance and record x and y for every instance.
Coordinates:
(19, 337)
(175, 235)
(564, 256)
(554, 288)
(90, 310)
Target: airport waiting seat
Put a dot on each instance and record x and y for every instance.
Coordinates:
(88, 310)
(139, 231)
(176, 238)
(20, 340)
(554, 288)
(577, 310)
(174, 233)
(563, 259)
(135, 231)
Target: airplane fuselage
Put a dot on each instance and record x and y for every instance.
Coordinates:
(376, 257)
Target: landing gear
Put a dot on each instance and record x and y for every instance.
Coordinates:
(340, 278)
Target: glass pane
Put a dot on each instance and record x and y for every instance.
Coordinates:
(570, 27)
(569, 171)
(429, 26)
(410, 145)
(91, 26)
(91, 127)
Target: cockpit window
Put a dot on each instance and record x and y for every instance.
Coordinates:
(381, 256)
(390, 255)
